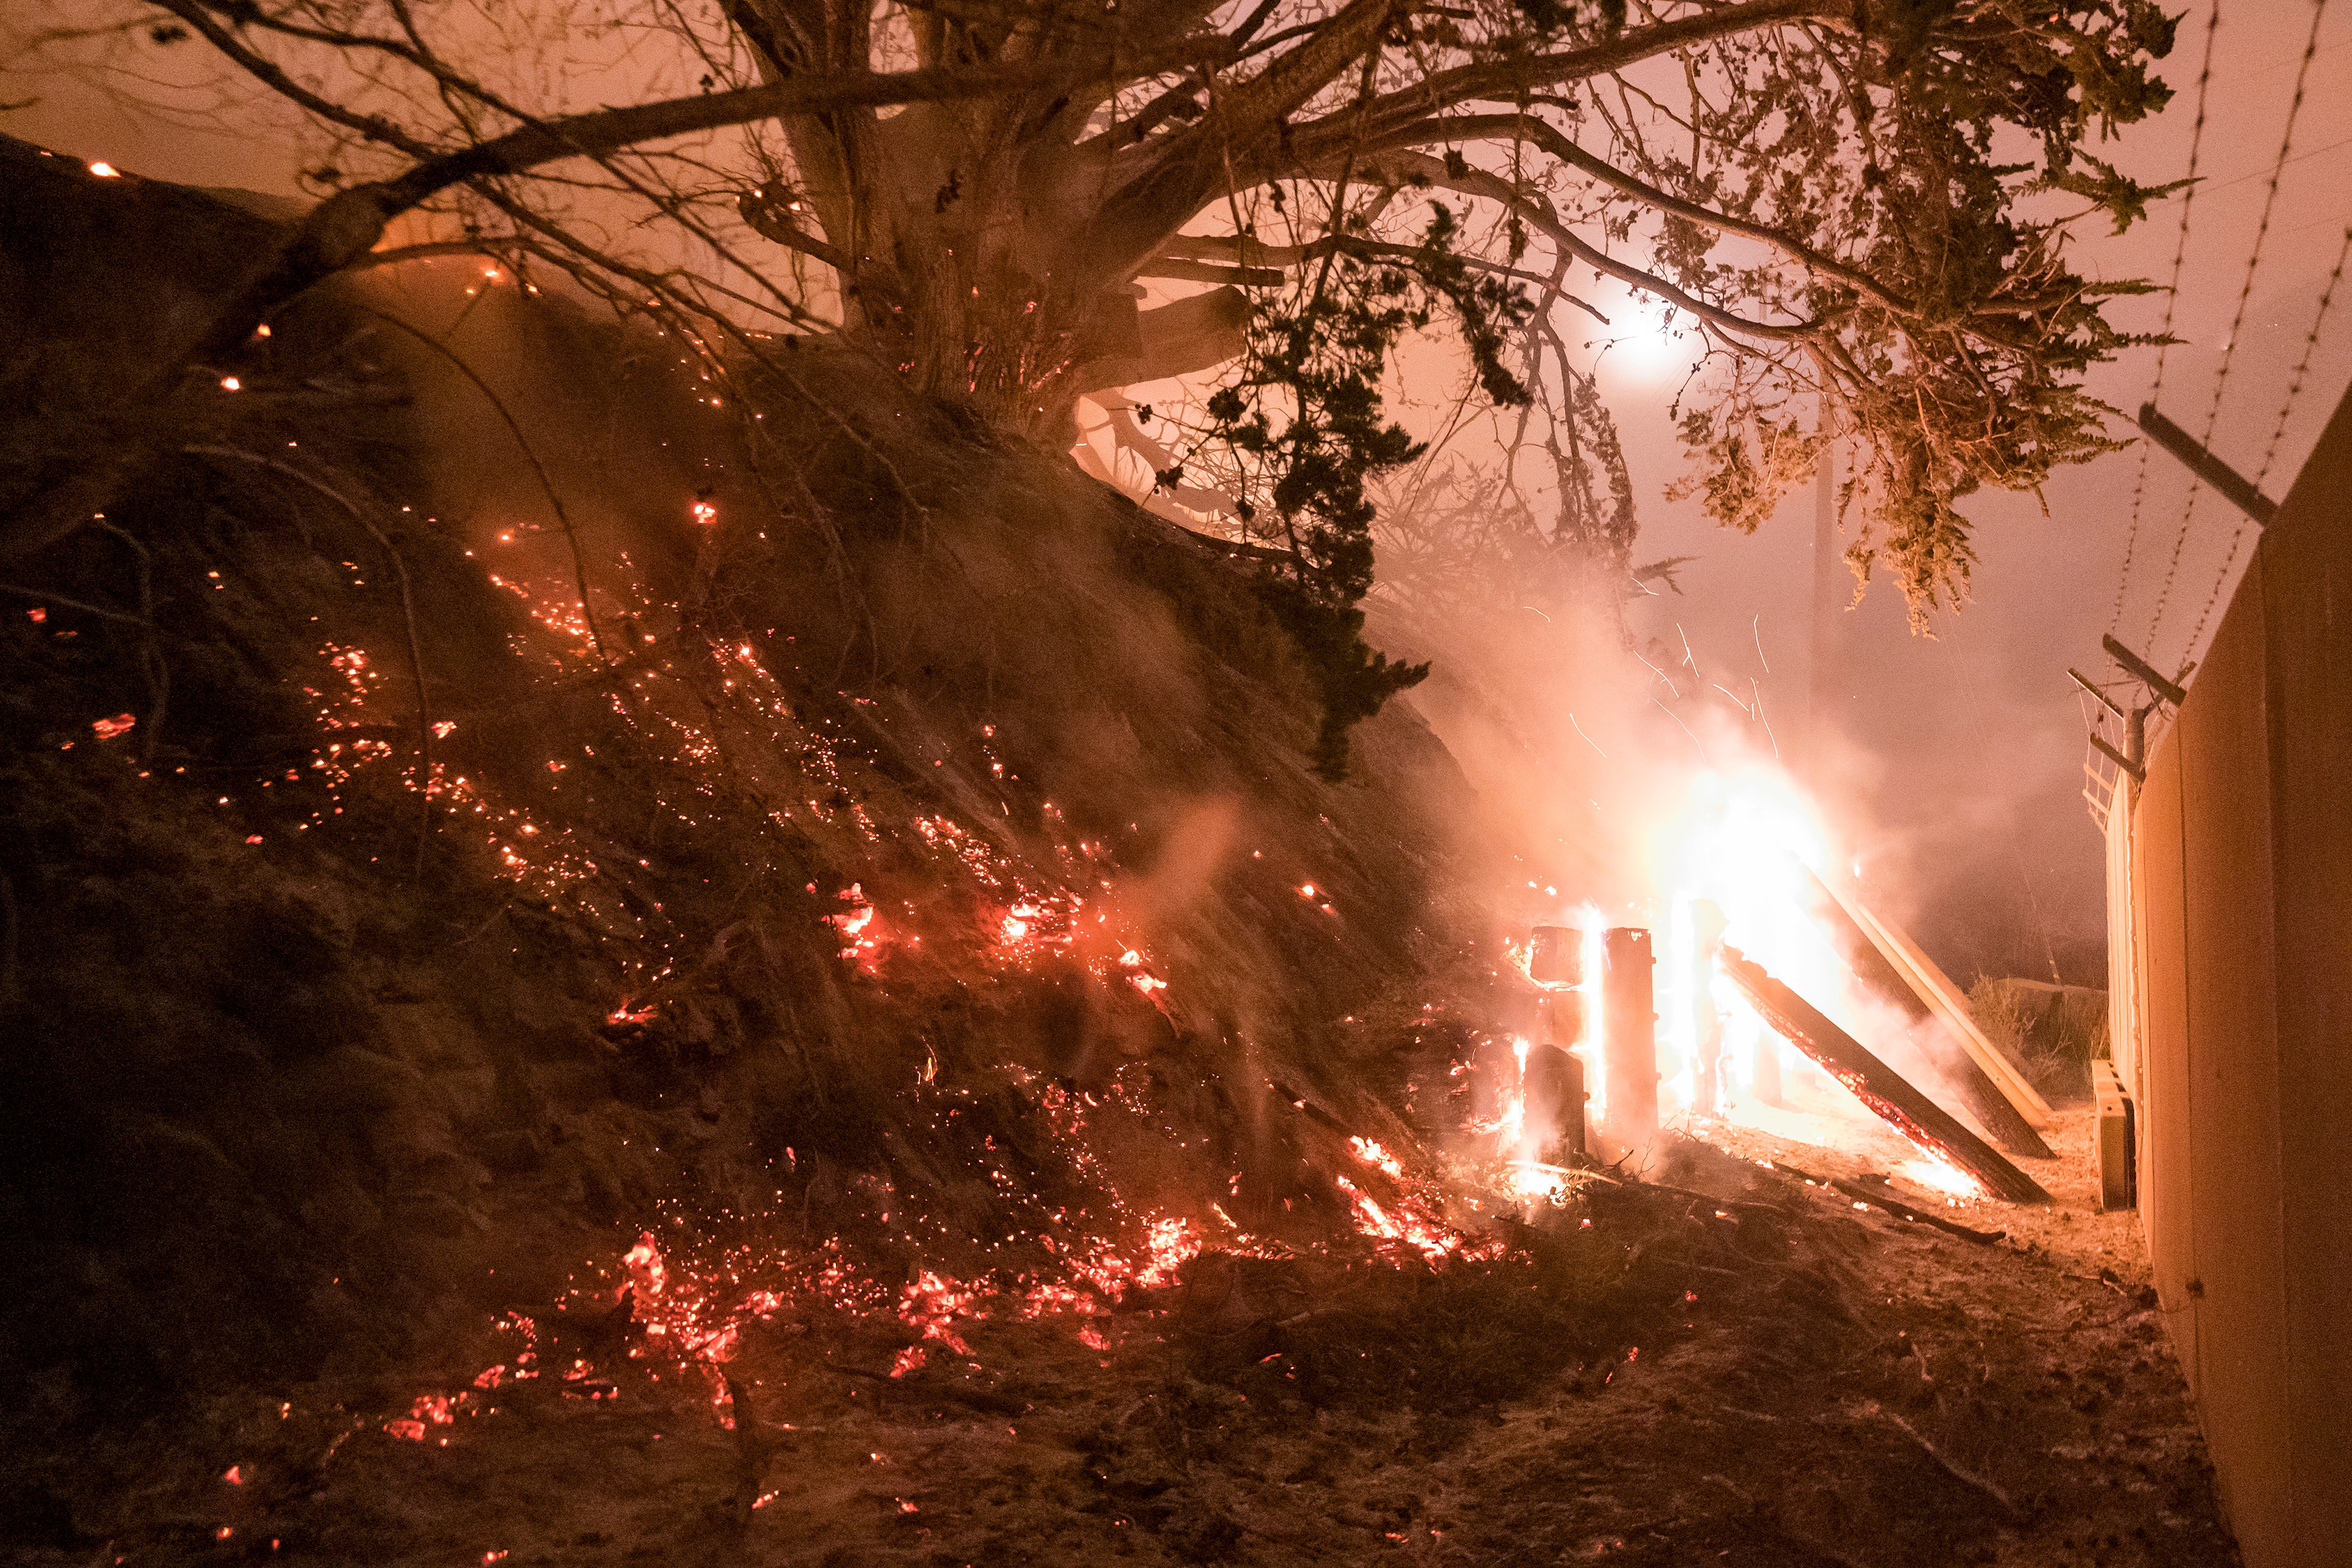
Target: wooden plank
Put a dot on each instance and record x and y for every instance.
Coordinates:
(2227, 482)
(1937, 990)
(1983, 1098)
(1929, 1126)
(2111, 1138)
(1870, 1193)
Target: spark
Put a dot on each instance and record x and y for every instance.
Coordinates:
(1588, 739)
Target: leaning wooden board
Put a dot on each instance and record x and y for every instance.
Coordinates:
(1937, 990)
(1930, 1127)
(1984, 1100)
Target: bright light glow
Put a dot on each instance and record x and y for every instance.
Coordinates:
(106, 170)
(1650, 336)
(1940, 1175)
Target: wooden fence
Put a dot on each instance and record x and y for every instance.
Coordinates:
(2230, 891)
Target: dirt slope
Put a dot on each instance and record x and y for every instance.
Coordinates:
(866, 1043)
(414, 926)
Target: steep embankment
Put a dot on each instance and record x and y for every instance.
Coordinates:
(385, 939)
(780, 1068)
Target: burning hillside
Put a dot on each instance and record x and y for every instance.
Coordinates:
(589, 980)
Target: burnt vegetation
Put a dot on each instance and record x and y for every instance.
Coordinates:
(640, 884)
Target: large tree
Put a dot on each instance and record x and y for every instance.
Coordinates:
(1849, 201)
(1834, 195)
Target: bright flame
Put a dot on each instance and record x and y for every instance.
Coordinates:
(1940, 1175)
(1741, 839)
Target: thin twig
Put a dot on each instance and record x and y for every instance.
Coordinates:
(151, 659)
(407, 610)
(85, 608)
(546, 484)
(1945, 1461)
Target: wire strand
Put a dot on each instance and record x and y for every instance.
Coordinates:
(2229, 344)
(2171, 302)
(2278, 431)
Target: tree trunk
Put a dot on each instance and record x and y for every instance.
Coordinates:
(966, 236)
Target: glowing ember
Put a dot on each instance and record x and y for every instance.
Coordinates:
(931, 1305)
(108, 728)
(1407, 1224)
(429, 1410)
(1168, 1243)
(862, 937)
(647, 1274)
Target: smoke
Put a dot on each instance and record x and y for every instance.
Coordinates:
(1630, 773)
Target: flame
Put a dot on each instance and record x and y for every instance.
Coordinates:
(931, 1304)
(1941, 1176)
(1372, 1153)
(1406, 1223)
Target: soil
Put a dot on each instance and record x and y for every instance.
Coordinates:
(1723, 1364)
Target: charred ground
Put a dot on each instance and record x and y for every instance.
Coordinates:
(849, 1052)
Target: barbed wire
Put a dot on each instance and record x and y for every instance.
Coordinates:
(2171, 302)
(2278, 431)
(2229, 343)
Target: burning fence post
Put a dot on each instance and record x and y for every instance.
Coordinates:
(1707, 925)
(1554, 1079)
(1927, 1125)
(1629, 1034)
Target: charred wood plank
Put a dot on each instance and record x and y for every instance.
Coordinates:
(1926, 1124)
(1936, 988)
(1879, 1198)
(1985, 1101)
